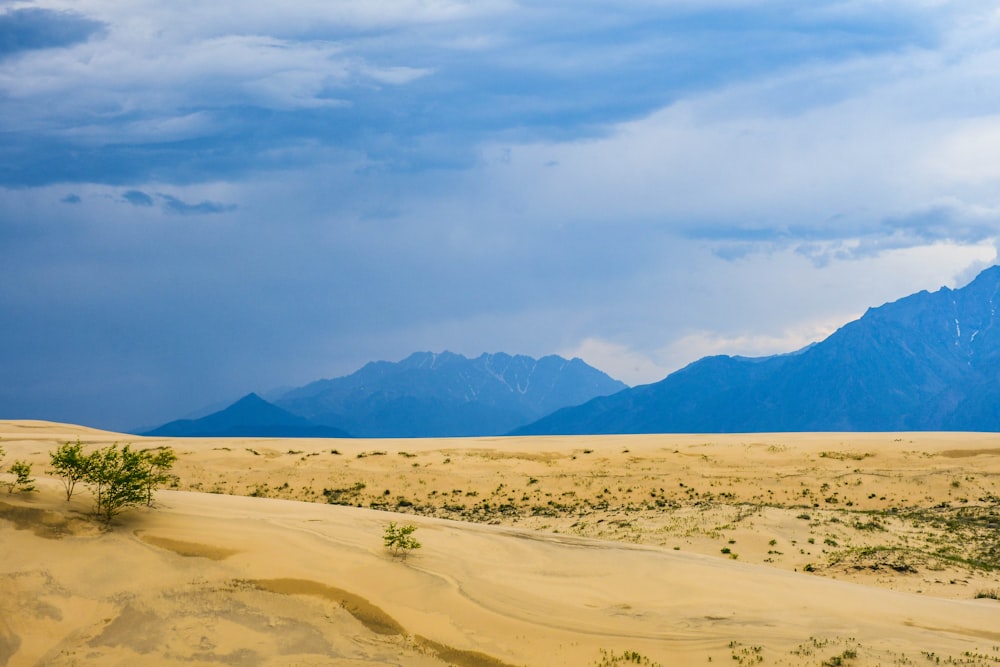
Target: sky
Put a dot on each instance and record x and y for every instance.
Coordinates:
(199, 200)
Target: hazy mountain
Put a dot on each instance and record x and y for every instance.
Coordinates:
(251, 416)
(448, 394)
(930, 361)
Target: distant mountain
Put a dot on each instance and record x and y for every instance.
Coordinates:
(930, 361)
(446, 394)
(251, 416)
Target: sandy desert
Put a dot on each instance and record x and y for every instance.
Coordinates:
(771, 549)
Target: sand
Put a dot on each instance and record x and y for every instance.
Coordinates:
(536, 551)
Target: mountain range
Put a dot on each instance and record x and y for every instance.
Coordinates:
(424, 395)
(927, 362)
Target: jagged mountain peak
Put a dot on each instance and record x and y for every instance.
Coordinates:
(448, 394)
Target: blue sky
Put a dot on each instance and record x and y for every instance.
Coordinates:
(198, 200)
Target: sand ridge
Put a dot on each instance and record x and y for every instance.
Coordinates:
(210, 578)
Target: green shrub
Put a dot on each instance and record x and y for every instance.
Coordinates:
(158, 469)
(123, 478)
(69, 464)
(23, 481)
(399, 539)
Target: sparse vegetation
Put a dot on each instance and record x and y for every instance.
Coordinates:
(69, 464)
(842, 659)
(344, 496)
(123, 478)
(23, 481)
(746, 655)
(846, 456)
(158, 464)
(898, 521)
(859, 512)
(399, 539)
(612, 659)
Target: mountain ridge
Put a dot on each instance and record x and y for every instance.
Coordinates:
(447, 394)
(927, 361)
(427, 394)
(250, 416)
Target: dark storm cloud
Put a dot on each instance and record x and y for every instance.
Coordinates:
(409, 97)
(175, 206)
(34, 28)
(137, 198)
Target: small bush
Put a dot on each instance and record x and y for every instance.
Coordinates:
(399, 539)
(158, 467)
(23, 481)
(122, 478)
(69, 464)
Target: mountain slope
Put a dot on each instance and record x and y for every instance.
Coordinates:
(446, 394)
(251, 416)
(929, 361)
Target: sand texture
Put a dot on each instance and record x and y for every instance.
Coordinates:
(789, 549)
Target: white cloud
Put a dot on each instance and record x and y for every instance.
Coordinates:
(302, 16)
(825, 151)
(167, 66)
(396, 75)
(696, 345)
(618, 361)
(968, 154)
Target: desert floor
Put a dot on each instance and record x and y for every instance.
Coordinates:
(776, 549)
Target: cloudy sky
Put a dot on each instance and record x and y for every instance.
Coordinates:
(198, 200)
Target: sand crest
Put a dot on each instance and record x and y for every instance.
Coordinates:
(217, 579)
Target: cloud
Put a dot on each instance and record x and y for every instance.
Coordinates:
(822, 157)
(137, 198)
(170, 204)
(176, 206)
(700, 344)
(636, 184)
(71, 199)
(31, 28)
(400, 85)
(618, 361)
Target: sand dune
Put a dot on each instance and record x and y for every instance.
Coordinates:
(217, 579)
